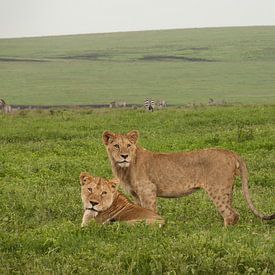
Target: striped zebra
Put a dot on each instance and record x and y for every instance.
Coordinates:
(161, 103)
(149, 104)
(5, 107)
(117, 104)
(2, 103)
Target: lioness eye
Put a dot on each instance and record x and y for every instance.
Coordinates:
(128, 145)
(104, 193)
(117, 146)
(90, 189)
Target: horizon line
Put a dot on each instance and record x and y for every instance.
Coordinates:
(131, 31)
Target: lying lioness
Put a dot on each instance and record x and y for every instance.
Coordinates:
(147, 175)
(104, 203)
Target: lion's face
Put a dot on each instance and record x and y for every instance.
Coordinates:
(121, 148)
(97, 193)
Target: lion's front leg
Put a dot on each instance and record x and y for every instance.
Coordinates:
(87, 217)
(147, 194)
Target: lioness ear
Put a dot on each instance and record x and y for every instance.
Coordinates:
(133, 136)
(83, 177)
(107, 137)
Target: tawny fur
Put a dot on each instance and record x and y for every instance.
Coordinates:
(148, 175)
(104, 203)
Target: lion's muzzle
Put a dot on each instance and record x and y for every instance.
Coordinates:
(123, 164)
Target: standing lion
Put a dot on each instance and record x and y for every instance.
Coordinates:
(148, 175)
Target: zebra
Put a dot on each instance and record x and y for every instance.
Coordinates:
(2, 103)
(117, 104)
(5, 107)
(212, 102)
(161, 103)
(149, 104)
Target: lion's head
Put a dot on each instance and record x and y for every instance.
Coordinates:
(97, 193)
(121, 148)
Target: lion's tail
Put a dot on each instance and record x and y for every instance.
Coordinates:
(244, 176)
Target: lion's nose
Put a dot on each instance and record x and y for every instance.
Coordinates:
(124, 156)
(93, 203)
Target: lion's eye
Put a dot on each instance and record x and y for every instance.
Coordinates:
(103, 193)
(90, 189)
(128, 145)
(116, 146)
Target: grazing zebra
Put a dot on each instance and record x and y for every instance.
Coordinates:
(161, 103)
(149, 104)
(117, 104)
(2, 103)
(5, 107)
(212, 102)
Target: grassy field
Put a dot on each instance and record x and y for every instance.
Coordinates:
(43, 152)
(180, 66)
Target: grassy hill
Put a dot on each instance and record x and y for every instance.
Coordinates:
(180, 66)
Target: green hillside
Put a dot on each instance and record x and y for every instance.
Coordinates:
(180, 66)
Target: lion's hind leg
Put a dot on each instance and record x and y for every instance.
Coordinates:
(223, 201)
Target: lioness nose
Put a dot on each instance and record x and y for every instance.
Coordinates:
(124, 156)
(93, 203)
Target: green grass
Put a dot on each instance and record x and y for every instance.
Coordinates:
(233, 64)
(43, 152)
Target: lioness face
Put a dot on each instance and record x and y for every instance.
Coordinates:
(121, 148)
(97, 193)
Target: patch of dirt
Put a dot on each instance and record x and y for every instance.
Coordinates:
(200, 49)
(10, 59)
(88, 56)
(173, 57)
(74, 106)
(42, 107)
(194, 49)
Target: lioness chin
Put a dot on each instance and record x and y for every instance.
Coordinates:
(148, 175)
(105, 204)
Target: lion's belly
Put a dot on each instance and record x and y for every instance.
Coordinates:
(178, 182)
(176, 190)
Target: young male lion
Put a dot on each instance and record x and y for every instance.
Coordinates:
(147, 175)
(104, 203)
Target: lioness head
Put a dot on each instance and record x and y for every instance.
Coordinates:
(97, 193)
(121, 148)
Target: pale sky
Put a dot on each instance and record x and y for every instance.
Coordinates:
(56, 17)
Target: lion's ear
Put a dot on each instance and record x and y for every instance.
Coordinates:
(133, 136)
(107, 137)
(83, 177)
(114, 183)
